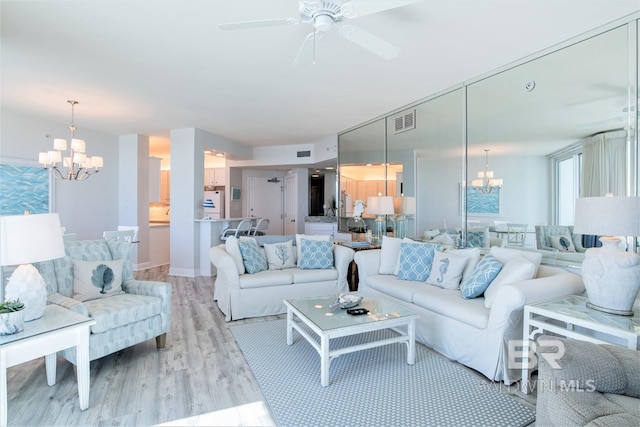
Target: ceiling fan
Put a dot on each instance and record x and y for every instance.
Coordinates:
(327, 14)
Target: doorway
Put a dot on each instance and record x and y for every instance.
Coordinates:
(265, 201)
(316, 195)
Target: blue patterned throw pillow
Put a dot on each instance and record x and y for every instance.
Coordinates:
(416, 260)
(486, 270)
(316, 254)
(253, 260)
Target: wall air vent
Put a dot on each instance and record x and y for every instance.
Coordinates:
(303, 154)
(404, 121)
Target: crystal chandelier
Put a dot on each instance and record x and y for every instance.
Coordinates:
(78, 165)
(486, 183)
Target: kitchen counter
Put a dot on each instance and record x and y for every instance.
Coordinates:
(321, 219)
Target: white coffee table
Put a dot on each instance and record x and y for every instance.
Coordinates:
(58, 329)
(327, 324)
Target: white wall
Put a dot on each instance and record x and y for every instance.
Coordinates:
(88, 207)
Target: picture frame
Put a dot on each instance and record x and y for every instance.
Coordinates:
(25, 186)
(481, 204)
(236, 194)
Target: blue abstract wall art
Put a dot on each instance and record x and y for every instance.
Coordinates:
(24, 188)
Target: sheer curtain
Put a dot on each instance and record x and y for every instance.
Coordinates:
(604, 164)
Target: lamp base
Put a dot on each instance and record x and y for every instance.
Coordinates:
(611, 277)
(27, 285)
(610, 310)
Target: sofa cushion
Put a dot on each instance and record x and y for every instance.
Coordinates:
(416, 260)
(514, 270)
(299, 237)
(315, 254)
(447, 302)
(562, 243)
(505, 254)
(122, 309)
(96, 279)
(486, 270)
(266, 278)
(394, 287)
(309, 276)
(253, 260)
(232, 248)
(389, 255)
(472, 256)
(447, 269)
(280, 255)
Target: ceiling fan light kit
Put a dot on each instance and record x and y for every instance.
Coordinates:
(324, 15)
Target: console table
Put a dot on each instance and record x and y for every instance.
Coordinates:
(570, 317)
(58, 329)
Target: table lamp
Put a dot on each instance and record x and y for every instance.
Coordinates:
(25, 239)
(380, 206)
(403, 206)
(611, 276)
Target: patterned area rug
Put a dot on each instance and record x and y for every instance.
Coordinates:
(373, 387)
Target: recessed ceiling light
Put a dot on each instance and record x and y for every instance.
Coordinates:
(207, 151)
(330, 168)
(315, 175)
(369, 164)
(220, 154)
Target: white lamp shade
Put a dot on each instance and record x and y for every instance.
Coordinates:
(78, 145)
(25, 239)
(79, 158)
(97, 161)
(59, 144)
(43, 158)
(55, 156)
(381, 205)
(607, 216)
(405, 205)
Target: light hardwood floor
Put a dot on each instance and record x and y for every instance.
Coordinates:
(201, 374)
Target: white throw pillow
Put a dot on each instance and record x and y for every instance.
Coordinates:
(472, 255)
(389, 255)
(280, 255)
(563, 243)
(299, 237)
(514, 270)
(232, 248)
(96, 279)
(446, 270)
(504, 255)
(430, 234)
(444, 239)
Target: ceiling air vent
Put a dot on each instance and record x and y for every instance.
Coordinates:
(303, 153)
(405, 121)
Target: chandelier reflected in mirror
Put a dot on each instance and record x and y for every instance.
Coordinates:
(486, 183)
(73, 165)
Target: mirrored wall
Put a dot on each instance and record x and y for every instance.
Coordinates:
(532, 124)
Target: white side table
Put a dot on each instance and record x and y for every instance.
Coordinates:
(561, 316)
(56, 330)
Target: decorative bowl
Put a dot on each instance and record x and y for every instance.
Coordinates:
(348, 300)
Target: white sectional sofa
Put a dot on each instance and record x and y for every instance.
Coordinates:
(240, 295)
(465, 330)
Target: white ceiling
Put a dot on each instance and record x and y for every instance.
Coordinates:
(145, 67)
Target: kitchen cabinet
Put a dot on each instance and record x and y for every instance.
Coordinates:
(165, 186)
(154, 179)
(215, 176)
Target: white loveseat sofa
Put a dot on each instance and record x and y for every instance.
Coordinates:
(465, 330)
(241, 295)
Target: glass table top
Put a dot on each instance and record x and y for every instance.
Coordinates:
(54, 317)
(575, 307)
(317, 310)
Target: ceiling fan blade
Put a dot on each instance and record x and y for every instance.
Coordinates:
(368, 7)
(368, 41)
(257, 24)
(307, 55)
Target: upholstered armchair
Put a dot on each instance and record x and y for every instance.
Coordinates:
(596, 385)
(546, 234)
(140, 312)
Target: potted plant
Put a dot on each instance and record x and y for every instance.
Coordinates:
(11, 317)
